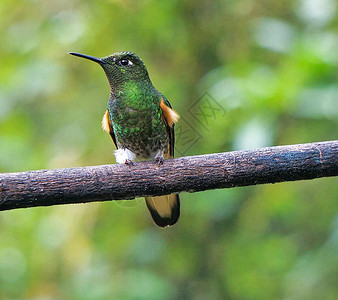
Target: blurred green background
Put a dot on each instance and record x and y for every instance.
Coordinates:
(242, 74)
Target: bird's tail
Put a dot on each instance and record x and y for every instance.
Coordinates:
(165, 210)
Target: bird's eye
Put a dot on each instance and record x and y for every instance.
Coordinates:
(125, 62)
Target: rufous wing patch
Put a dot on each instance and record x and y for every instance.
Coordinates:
(169, 114)
(105, 122)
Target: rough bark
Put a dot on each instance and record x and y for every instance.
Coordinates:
(184, 174)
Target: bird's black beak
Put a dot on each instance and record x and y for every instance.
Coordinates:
(97, 60)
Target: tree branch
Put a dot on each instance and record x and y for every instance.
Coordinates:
(184, 174)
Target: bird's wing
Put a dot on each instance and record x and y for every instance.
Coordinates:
(165, 210)
(170, 118)
(108, 126)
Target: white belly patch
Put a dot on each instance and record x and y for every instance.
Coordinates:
(123, 154)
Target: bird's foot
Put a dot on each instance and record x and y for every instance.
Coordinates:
(159, 160)
(129, 162)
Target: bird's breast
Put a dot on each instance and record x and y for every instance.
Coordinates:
(141, 130)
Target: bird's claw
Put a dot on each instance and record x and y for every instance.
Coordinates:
(129, 162)
(159, 160)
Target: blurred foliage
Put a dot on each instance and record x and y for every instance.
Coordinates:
(242, 74)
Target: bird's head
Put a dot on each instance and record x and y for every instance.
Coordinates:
(120, 67)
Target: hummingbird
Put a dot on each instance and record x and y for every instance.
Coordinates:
(140, 121)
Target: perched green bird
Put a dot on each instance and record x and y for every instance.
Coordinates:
(140, 121)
